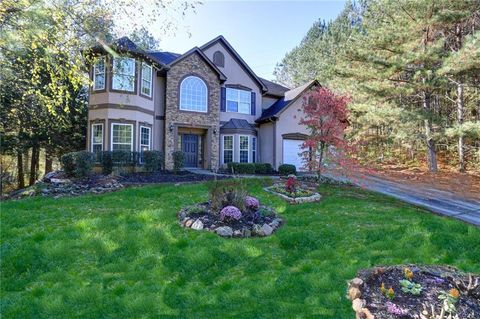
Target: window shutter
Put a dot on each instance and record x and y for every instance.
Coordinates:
(223, 99)
(253, 104)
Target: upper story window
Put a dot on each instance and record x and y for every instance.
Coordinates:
(146, 86)
(193, 94)
(123, 74)
(219, 59)
(99, 74)
(238, 101)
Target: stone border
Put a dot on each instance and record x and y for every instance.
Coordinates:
(354, 294)
(295, 200)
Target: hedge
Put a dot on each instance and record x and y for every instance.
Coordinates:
(78, 164)
(287, 169)
(154, 160)
(250, 168)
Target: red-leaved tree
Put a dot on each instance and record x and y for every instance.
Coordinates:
(326, 117)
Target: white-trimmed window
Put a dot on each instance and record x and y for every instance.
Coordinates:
(193, 94)
(99, 74)
(123, 74)
(254, 149)
(97, 137)
(244, 149)
(145, 138)
(122, 137)
(238, 101)
(227, 149)
(146, 87)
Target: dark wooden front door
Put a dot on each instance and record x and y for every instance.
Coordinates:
(190, 149)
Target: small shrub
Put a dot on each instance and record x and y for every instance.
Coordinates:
(106, 162)
(241, 168)
(292, 184)
(68, 163)
(263, 168)
(287, 169)
(84, 161)
(121, 158)
(230, 213)
(178, 160)
(154, 160)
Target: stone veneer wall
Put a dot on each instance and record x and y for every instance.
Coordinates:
(192, 65)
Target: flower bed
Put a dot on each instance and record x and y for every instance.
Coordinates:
(424, 292)
(230, 212)
(293, 191)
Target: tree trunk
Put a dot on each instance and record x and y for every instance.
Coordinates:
(431, 151)
(20, 172)
(460, 113)
(33, 166)
(48, 161)
(320, 159)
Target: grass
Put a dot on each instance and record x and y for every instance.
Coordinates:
(123, 255)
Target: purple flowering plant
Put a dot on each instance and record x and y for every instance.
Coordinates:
(394, 309)
(230, 213)
(252, 203)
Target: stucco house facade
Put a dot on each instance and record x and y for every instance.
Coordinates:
(207, 103)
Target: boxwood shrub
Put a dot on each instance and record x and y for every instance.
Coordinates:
(154, 160)
(68, 163)
(78, 164)
(106, 161)
(263, 168)
(287, 169)
(178, 160)
(250, 168)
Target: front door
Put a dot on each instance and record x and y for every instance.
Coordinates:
(190, 149)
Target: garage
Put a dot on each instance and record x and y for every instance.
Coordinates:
(292, 150)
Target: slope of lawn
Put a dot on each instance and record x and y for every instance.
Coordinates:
(123, 255)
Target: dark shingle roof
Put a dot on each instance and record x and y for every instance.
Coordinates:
(163, 57)
(237, 124)
(274, 88)
(285, 101)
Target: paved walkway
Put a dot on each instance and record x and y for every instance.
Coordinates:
(437, 201)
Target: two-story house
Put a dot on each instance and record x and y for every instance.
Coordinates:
(206, 102)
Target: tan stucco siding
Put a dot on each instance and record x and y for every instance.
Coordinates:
(288, 123)
(266, 137)
(236, 75)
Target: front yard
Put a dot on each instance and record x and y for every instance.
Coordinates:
(123, 254)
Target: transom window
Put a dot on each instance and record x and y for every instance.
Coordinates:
(122, 137)
(146, 87)
(99, 74)
(227, 149)
(123, 77)
(193, 94)
(97, 138)
(144, 138)
(238, 101)
(244, 149)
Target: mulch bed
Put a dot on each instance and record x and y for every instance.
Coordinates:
(433, 279)
(166, 177)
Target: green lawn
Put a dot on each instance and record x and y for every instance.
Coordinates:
(123, 255)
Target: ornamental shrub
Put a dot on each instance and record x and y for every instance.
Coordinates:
(227, 193)
(84, 161)
(287, 169)
(252, 203)
(106, 162)
(230, 213)
(68, 163)
(241, 168)
(154, 160)
(263, 168)
(178, 161)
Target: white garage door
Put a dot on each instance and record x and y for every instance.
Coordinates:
(292, 150)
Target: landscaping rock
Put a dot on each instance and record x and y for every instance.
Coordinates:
(197, 225)
(237, 233)
(265, 230)
(224, 231)
(247, 233)
(189, 223)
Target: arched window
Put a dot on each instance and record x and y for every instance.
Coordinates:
(219, 59)
(193, 94)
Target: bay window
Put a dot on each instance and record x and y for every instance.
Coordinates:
(238, 101)
(227, 149)
(122, 137)
(146, 83)
(97, 138)
(244, 149)
(254, 149)
(123, 74)
(99, 74)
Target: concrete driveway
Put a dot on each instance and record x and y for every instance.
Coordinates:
(437, 201)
